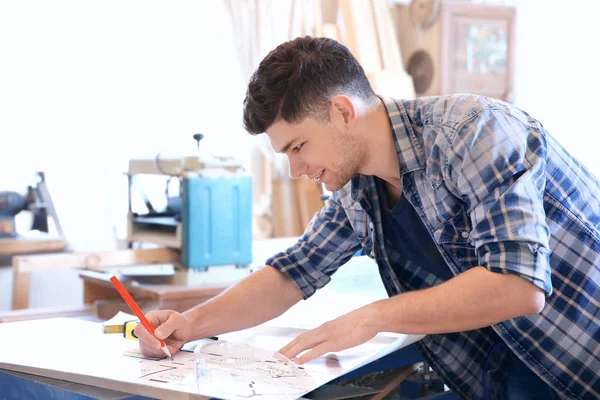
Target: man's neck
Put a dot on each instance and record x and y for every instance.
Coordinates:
(381, 158)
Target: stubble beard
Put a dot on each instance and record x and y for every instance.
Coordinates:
(350, 154)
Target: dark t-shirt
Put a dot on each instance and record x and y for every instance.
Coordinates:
(403, 227)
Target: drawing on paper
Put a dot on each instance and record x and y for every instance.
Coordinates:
(179, 372)
(246, 371)
(226, 370)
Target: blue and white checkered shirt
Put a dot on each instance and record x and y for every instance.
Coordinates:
(493, 188)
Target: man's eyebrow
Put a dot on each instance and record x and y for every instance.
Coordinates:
(285, 148)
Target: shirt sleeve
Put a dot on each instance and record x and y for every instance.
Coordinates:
(497, 164)
(328, 242)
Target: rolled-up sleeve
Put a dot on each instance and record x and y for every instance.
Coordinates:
(497, 164)
(328, 242)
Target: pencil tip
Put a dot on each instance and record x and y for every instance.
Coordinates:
(171, 358)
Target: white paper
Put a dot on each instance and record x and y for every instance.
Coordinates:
(77, 351)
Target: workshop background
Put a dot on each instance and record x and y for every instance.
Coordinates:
(87, 86)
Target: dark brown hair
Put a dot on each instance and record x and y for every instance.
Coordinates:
(298, 79)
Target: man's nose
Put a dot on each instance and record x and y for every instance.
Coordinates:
(297, 167)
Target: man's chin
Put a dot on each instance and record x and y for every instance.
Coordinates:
(334, 186)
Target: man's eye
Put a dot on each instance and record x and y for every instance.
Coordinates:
(297, 148)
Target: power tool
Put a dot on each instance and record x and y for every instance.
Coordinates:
(37, 200)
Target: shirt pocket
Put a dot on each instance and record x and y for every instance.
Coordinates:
(362, 228)
(454, 236)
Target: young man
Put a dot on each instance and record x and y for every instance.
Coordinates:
(486, 231)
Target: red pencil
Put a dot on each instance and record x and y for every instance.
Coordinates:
(136, 310)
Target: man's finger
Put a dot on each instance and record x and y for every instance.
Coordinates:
(156, 318)
(165, 329)
(150, 351)
(146, 337)
(317, 351)
(304, 343)
(159, 317)
(173, 348)
(303, 337)
(290, 345)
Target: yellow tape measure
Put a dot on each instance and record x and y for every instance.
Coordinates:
(125, 328)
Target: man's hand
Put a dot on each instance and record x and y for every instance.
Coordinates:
(342, 333)
(172, 327)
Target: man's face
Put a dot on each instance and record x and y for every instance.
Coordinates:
(318, 150)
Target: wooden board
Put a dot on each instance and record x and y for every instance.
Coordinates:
(359, 33)
(94, 259)
(83, 310)
(24, 244)
(24, 265)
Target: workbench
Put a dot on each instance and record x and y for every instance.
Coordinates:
(17, 385)
(359, 276)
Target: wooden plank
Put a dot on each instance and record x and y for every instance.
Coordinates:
(359, 33)
(317, 18)
(336, 392)
(309, 199)
(23, 265)
(47, 312)
(159, 291)
(286, 214)
(93, 293)
(329, 11)
(388, 38)
(20, 294)
(25, 244)
(95, 259)
(108, 308)
(395, 380)
(380, 32)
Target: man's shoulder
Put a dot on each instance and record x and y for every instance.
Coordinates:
(450, 110)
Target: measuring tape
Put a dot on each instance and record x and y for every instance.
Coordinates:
(126, 328)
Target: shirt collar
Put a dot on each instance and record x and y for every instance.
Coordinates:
(411, 155)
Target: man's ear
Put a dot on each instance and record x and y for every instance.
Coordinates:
(342, 112)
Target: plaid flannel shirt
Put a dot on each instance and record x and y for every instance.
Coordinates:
(493, 189)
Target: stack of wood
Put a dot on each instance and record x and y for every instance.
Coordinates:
(366, 27)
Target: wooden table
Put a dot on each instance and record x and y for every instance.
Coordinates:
(178, 292)
(181, 291)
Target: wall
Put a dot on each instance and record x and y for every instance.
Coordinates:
(557, 68)
(84, 86)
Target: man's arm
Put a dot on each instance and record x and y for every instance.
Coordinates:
(263, 295)
(471, 300)
(496, 164)
(260, 297)
(328, 242)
